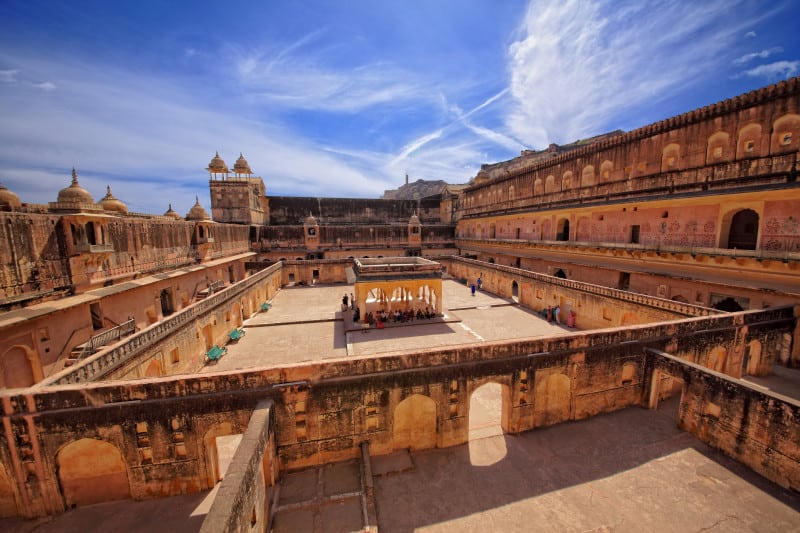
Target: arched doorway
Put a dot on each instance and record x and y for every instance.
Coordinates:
(167, 306)
(562, 230)
(728, 304)
(486, 413)
(515, 291)
(415, 423)
(560, 274)
(743, 233)
(92, 471)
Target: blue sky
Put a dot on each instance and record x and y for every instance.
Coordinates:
(345, 98)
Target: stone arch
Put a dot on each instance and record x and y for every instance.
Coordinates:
(752, 358)
(562, 229)
(414, 423)
(728, 304)
(550, 184)
(587, 176)
(566, 180)
(154, 369)
(718, 147)
(19, 367)
(606, 168)
(8, 494)
(481, 415)
(91, 471)
(538, 187)
(717, 359)
(739, 229)
(749, 141)
(552, 400)
(785, 132)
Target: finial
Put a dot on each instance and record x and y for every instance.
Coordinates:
(108, 189)
(74, 176)
(196, 200)
(170, 207)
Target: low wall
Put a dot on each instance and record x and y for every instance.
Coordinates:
(595, 306)
(755, 427)
(242, 502)
(162, 431)
(189, 330)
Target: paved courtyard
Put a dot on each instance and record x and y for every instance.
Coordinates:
(628, 471)
(306, 323)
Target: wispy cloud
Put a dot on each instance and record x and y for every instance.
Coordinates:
(763, 54)
(45, 85)
(750, 35)
(773, 71)
(8, 76)
(577, 63)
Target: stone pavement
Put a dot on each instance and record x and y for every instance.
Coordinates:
(306, 324)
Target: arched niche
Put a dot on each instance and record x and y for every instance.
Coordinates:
(718, 149)
(91, 471)
(414, 424)
(19, 367)
(785, 132)
(538, 188)
(566, 181)
(587, 176)
(552, 400)
(740, 229)
(749, 141)
(670, 157)
(606, 168)
(551, 185)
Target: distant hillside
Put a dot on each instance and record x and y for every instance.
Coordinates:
(413, 191)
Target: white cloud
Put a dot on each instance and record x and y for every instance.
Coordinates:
(577, 63)
(45, 85)
(750, 35)
(773, 71)
(8, 76)
(763, 54)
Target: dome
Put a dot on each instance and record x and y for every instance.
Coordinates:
(414, 219)
(217, 165)
(310, 221)
(8, 199)
(241, 166)
(197, 212)
(111, 203)
(171, 213)
(75, 194)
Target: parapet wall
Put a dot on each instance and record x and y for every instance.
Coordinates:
(288, 210)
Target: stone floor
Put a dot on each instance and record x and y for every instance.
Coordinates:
(306, 323)
(631, 470)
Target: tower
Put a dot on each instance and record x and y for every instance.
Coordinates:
(237, 199)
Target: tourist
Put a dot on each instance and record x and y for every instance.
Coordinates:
(344, 302)
(571, 319)
(480, 281)
(472, 288)
(556, 311)
(352, 301)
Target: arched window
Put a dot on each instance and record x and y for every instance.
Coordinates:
(743, 233)
(563, 230)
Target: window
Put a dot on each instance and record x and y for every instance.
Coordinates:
(175, 356)
(749, 146)
(786, 140)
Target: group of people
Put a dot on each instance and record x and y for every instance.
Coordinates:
(477, 285)
(351, 300)
(381, 317)
(553, 314)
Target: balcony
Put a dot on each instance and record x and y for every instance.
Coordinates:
(94, 248)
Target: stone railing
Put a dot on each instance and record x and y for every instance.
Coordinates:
(94, 248)
(101, 339)
(462, 242)
(606, 292)
(104, 361)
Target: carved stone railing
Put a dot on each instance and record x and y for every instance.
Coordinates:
(464, 242)
(107, 337)
(599, 290)
(105, 361)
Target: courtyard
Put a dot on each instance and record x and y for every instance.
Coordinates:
(307, 324)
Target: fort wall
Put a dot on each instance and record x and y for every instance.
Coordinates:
(157, 433)
(288, 210)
